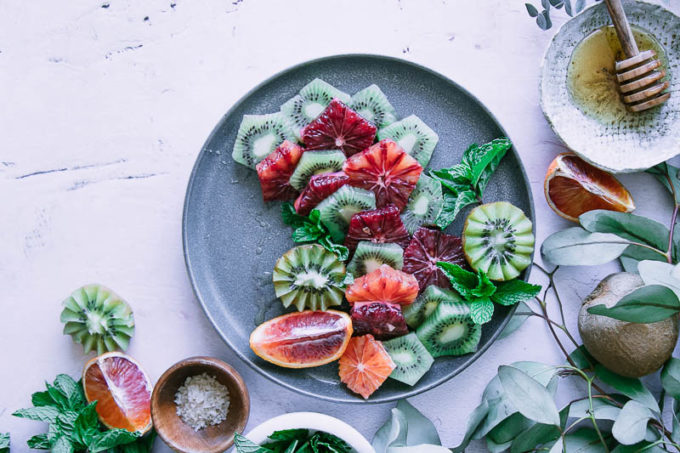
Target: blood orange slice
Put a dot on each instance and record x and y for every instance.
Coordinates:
(303, 340)
(274, 172)
(573, 186)
(365, 365)
(385, 285)
(122, 391)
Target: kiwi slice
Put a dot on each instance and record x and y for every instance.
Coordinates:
(450, 330)
(312, 99)
(414, 136)
(316, 162)
(424, 204)
(309, 277)
(369, 256)
(411, 358)
(258, 136)
(98, 318)
(338, 209)
(426, 304)
(499, 240)
(372, 104)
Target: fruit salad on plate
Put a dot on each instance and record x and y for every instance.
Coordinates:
(377, 285)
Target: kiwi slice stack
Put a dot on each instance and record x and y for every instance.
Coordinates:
(98, 318)
(450, 330)
(338, 209)
(314, 163)
(312, 99)
(499, 240)
(309, 277)
(414, 136)
(258, 136)
(426, 304)
(411, 358)
(372, 104)
(424, 204)
(369, 256)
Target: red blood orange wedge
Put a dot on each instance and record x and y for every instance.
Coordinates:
(573, 186)
(318, 189)
(274, 172)
(385, 285)
(365, 365)
(122, 391)
(426, 249)
(377, 225)
(380, 319)
(387, 170)
(304, 339)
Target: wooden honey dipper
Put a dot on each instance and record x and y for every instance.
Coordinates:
(640, 74)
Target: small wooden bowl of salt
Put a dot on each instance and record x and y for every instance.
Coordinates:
(198, 404)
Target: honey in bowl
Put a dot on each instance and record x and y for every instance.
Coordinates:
(591, 77)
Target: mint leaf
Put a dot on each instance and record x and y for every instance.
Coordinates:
(4, 442)
(485, 287)
(141, 445)
(39, 442)
(457, 178)
(340, 250)
(453, 204)
(481, 310)
(110, 439)
(306, 233)
(462, 281)
(290, 434)
(484, 159)
(86, 424)
(62, 445)
(41, 414)
(42, 399)
(514, 291)
(244, 445)
(292, 218)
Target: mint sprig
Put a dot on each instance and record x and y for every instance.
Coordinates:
(293, 441)
(310, 230)
(464, 184)
(4, 442)
(481, 293)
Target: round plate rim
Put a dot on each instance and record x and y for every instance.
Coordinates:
(192, 278)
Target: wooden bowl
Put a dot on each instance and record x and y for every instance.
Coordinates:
(180, 436)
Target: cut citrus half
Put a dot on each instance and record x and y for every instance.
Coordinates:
(365, 365)
(122, 391)
(573, 187)
(303, 340)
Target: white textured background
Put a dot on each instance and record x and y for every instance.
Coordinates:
(103, 111)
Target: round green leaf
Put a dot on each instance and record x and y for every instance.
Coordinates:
(529, 397)
(578, 247)
(631, 425)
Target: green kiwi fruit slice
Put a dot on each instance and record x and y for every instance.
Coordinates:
(424, 204)
(499, 240)
(369, 256)
(414, 136)
(449, 330)
(426, 304)
(98, 318)
(411, 358)
(309, 277)
(372, 104)
(258, 136)
(338, 209)
(312, 99)
(315, 162)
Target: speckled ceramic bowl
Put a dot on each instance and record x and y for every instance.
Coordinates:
(641, 140)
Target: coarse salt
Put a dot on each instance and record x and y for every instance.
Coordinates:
(202, 401)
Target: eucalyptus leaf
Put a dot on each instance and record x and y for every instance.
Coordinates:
(528, 395)
(567, 8)
(584, 440)
(626, 225)
(538, 434)
(631, 425)
(582, 358)
(602, 409)
(669, 176)
(646, 304)
(393, 433)
(541, 20)
(517, 320)
(419, 449)
(670, 377)
(557, 3)
(531, 9)
(509, 428)
(675, 434)
(579, 5)
(474, 422)
(630, 387)
(645, 446)
(657, 273)
(420, 429)
(546, 4)
(579, 247)
(494, 447)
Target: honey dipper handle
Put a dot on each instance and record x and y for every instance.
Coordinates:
(622, 26)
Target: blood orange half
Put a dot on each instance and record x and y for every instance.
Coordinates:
(365, 365)
(303, 340)
(122, 391)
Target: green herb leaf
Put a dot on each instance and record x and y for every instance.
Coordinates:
(393, 433)
(531, 9)
(483, 161)
(42, 414)
(538, 434)
(656, 273)
(631, 425)
(462, 280)
(4, 442)
(290, 217)
(62, 445)
(514, 291)
(579, 247)
(602, 409)
(582, 358)
(39, 442)
(420, 429)
(407, 431)
(244, 445)
(485, 287)
(40, 399)
(670, 377)
(481, 310)
(474, 422)
(453, 205)
(630, 387)
(528, 396)
(110, 439)
(644, 305)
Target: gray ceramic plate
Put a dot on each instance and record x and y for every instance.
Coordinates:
(232, 239)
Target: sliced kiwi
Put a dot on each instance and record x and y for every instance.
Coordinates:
(98, 318)
(309, 103)
(450, 330)
(369, 256)
(424, 204)
(338, 209)
(411, 358)
(426, 304)
(414, 136)
(309, 277)
(258, 136)
(372, 104)
(315, 162)
(499, 240)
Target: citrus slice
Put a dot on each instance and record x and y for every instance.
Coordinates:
(384, 284)
(303, 340)
(573, 186)
(365, 365)
(122, 391)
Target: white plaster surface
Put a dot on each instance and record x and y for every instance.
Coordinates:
(102, 114)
